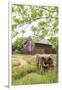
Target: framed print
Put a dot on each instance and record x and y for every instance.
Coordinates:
(33, 44)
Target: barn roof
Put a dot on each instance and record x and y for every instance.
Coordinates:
(43, 41)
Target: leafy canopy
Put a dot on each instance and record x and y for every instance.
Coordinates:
(45, 16)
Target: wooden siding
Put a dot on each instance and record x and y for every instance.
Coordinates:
(41, 48)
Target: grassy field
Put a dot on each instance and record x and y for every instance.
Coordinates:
(29, 73)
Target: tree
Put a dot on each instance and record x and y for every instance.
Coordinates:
(45, 16)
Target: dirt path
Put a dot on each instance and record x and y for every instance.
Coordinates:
(23, 62)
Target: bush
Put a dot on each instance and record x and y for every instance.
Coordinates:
(17, 45)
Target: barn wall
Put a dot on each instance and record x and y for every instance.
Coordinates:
(40, 48)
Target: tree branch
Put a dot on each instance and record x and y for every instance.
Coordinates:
(29, 22)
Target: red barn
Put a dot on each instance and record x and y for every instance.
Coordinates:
(43, 46)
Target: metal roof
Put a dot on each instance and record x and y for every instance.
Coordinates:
(43, 41)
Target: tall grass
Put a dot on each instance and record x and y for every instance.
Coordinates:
(30, 74)
(16, 63)
(34, 78)
(30, 60)
(21, 72)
